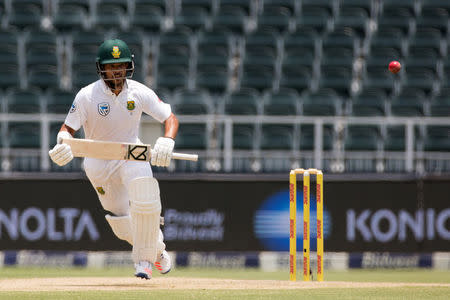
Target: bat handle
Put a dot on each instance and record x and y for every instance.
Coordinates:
(184, 156)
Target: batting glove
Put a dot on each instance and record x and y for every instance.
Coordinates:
(162, 152)
(61, 154)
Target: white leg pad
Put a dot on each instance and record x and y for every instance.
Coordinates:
(145, 210)
(121, 226)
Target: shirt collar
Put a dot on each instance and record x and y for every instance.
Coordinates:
(108, 91)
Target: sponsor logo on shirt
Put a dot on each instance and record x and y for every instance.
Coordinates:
(73, 108)
(131, 105)
(116, 52)
(103, 108)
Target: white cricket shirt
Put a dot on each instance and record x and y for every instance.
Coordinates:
(107, 117)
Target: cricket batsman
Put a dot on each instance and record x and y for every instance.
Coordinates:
(110, 109)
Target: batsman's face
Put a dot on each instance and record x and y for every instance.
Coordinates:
(116, 71)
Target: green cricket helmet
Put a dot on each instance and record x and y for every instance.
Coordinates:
(114, 51)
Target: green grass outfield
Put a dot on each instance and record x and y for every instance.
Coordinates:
(381, 275)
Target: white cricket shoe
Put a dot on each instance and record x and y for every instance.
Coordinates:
(143, 270)
(163, 264)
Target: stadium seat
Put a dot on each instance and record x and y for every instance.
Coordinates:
(214, 48)
(208, 5)
(295, 77)
(399, 18)
(354, 17)
(400, 4)
(437, 138)
(388, 37)
(445, 83)
(25, 14)
(378, 77)
(313, 17)
(422, 58)
(395, 139)
(110, 16)
(41, 48)
(341, 37)
(337, 78)
(298, 56)
(277, 137)
(362, 138)
(232, 18)
(174, 47)
(172, 76)
(59, 101)
(24, 135)
(83, 75)
(9, 37)
(261, 48)
(244, 136)
(410, 102)
(156, 3)
(434, 17)
(324, 102)
(242, 102)
(418, 77)
(427, 4)
(84, 48)
(277, 17)
(214, 78)
(43, 76)
(192, 102)
(37, 38)
(24, 101)
(80, 38)
(364, 4)
(426, 37)
(307, 138)
(370, 102)
(85, 4)
(192, 136)
(246, 5)
(291, 5)
(282, 102)
(84, 56)
(326, 4)
(337, 56)
(119, 3)
(300, 49)
(70, 16)
(381, 56)
(9, 75)
(304, 37)
(8, 54)
(148, 16)
(193, 17)
(257, 76)
(440, 104)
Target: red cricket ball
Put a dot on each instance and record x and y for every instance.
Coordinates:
(394, 66)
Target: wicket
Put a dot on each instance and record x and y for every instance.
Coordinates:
(293, 223)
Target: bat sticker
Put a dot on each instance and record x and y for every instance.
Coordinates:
(137, 152)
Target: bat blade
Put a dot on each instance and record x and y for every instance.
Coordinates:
(117, 150)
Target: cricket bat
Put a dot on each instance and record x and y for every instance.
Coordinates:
(117, 150)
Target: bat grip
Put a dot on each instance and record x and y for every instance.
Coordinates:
(183, 156)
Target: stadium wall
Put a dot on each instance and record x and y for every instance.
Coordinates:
(241, 214)
(266, 261)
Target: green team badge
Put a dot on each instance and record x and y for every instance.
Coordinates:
(131, 105)
(100, 190)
